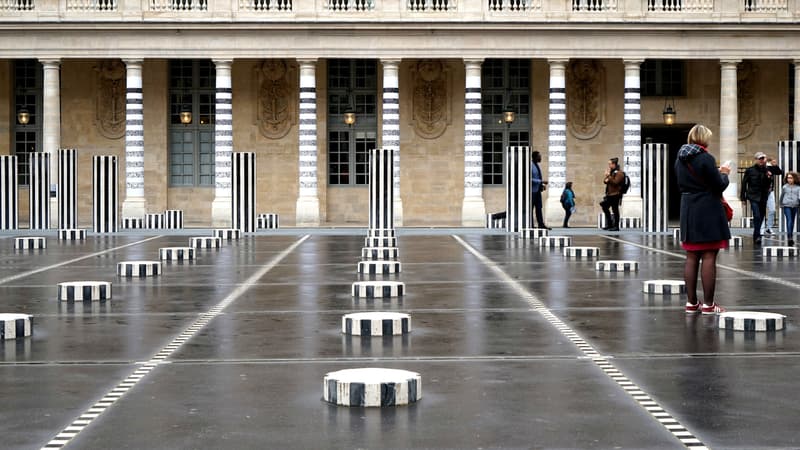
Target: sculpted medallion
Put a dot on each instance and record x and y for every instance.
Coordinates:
(276, 107)
(110, 99)
(431, 99)
(586, 98)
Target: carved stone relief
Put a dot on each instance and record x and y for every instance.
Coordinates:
(431, 100)
(749, 115)
(586, 98)
(277, 102)
(110, 99)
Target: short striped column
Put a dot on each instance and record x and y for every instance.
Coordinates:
(378, 289)
(132, 223)
(533, 233)
(496, 220)
(377, 323)
(746, 222)
(268, 221)
(380, 253)
(67, 188)
(39, 191)
(654, 187)
(381, 232)
(616, 266)
(630, 222)
(665, 287)
(205, 242)
(378, 267)
(72, 234)
(735, 242)
(381, 193)
(380, 242)
(71, 291)
(154, 221)
(751, 321)
(176, 253)
(105, 195)
(676, 234)
(173, 219)
(581, 252)
(15, 326)
(243, 192)
(228, 234)
(372, 387)
(788, 155)
(139, 269)
(779, 252)
(9, 193)
(30, 243)
(518, 188)
(555, 241)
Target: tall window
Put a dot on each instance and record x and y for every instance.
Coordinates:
(352, 86)
(192, 86)
(505, 85)
(28, 95)
(663, 78)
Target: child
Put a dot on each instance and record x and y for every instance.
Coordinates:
(568, 202)
(790, 201)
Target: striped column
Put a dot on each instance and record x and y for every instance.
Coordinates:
(223, 145)
(105, 214)
(39, 191)
(655, 205)
(9, 193)
(729, 128)
(381, 192)
(51, 111)
(473, 210)
(67, 188)
(390, 126)
(307, 211)
(632, 128)
(244, 191)
(796, 121)
(788, 156)
(556, 141)
(518, 188)
(134, 203)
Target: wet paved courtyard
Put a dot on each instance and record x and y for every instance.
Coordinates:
(494, 324)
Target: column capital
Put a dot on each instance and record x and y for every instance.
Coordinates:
(729, 63)
(558, 61)
(220, 63)
(633, 62)
(390, 62)
(50, 63)
(796, 63)
(307, 61)
(131, 62)
(473, 62)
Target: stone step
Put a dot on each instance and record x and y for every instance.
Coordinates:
(380, 242)
(380, 253)
(378, 267)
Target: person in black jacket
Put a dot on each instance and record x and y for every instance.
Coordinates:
(704, 226)
(756, 187)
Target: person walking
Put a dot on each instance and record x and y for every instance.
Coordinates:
(790, 203)
(704, 226)
(614, 179)
(568, 202)
(537, 186)
(769, 219)
(756, 185)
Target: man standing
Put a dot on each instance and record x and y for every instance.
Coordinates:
(775, 170)
(756, 186)
(614, 179)
(537, 186)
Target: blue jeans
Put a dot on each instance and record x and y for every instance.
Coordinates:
(790, 214)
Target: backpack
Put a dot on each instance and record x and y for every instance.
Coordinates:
(563, 198)
(626, 184)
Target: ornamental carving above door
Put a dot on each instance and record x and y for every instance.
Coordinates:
(431, 98)
(276, 106)
(110, 99)
(586, 98)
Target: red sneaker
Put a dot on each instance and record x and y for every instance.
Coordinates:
(693, 308)
(713, 308)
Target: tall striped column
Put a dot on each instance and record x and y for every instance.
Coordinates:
(729, 128)
(390, 127)
(796, 121)
(307, 211)
(381, 192)
(789, 161)
(9, 193)
(556, 141)
(223, 145)
(655, 205)
(632, 139)
(473, 209)
(39, 191)
(51, 120)
(105, 195)
(244, 191)
(134, 203)
(518, 188)
(67, 188)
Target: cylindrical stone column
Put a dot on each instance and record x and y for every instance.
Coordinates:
(134, 203)
(518, 188)
(632, 139)
(307, 210)
(796, 122)
(655, 205)
(9, 193)
(244, 191)
(39, 191)
(390, 126)
(789, 161)
(105, 195)
(51, 120)
(556, 141)
(381, 193)
(729, 130)
(473, 209)
(67, 188)
(223, 144)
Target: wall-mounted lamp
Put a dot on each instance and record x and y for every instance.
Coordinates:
(508, 117)
(186, 114)
(669, 111)
(23, 116)
(349, 117)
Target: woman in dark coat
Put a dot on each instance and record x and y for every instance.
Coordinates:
(704, 226)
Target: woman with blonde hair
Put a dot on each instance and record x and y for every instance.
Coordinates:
(704, 225)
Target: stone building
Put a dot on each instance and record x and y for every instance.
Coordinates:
(588, 80)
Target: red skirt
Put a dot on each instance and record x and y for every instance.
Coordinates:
(700, 246)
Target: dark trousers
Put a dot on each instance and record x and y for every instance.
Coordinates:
(567, 215)
(759, 210)
(610, 205)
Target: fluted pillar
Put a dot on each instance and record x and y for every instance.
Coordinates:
(307, 210)
(473, 208)
(221, 207)
(390, 127)
(51, 122)
(632, 139)
(729, 130)
(134, 203)
(556, 141)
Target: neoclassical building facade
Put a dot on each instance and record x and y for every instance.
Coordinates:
(173, 87)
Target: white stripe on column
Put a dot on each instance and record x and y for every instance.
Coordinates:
(655, 205)
(67, 188)
(518, 188)
(134, 130)
(632, 129)
(390, 124)
(557, 127)
(9, 193)
(39, 191)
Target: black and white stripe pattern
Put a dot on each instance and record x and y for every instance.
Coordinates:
(654, 183)
(779, 252)
(380, 253)
(390, 126)
(14, 326)
(205, 242)
(378, 289)
(518, 188)
(676, 234)
(581, 252)
(72, 234)
(378, 267)
(176, 253)
(9, 193)
(788, 161)
(629, 222)
(746, 222)
(665, 287)
(381, 192)
(223, 129)
(533, 233)
(380, 242)
(138, 268)
(243, 192)
(268, 221)
(134, 130)
(377, 323)
(496, 220)
(616, 266)
(67, 188)
(751, 321)
(173, 219)
(372, 387)
(154, 221)
(84, 291)
(632, 140)
(735, 242)
(132, 223)
(308, 129)
(39, 191)
(555, 241)
(381, 232)
(228, 234)
(105, 198)
(473, 132)
(30, 242)
(557, 127)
